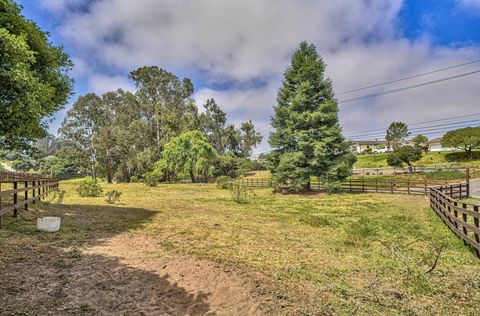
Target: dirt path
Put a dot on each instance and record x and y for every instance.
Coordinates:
(125, 275)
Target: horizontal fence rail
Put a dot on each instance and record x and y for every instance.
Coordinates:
(361, 185)
(18, 190)
(461, 217)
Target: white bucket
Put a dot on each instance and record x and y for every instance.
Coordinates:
(48, 224)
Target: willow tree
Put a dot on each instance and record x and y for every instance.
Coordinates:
(189, 153)
(307, 139)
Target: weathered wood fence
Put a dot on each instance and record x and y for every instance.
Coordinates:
(17, 190)
(461, 217)
(361, 185)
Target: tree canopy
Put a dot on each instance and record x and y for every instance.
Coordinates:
(123, 134)
(396, 132)
(308, 140)
(34, 78)
(467, 138)
(189, 153)
(404, 154)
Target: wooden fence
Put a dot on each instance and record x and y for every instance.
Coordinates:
(20, 189)
(361, 185)
(461, 217)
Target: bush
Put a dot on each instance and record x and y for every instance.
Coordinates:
(112, 196)
(150, 179)
(133, 179)
(224, 182)
(462, 156)
(333, 186)
(89, 187)
(240, 194)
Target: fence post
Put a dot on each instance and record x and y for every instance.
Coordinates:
(350, 184)
(15, 200)
(391, 186)
(455, 212)
(376, 185)
(408, 186)
(363, 185)
(464, 217)
(39, 192)
(467, 175)
(33, 192)
(26, 195)
(426, 187)
(476, 223)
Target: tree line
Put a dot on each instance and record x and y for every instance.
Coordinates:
(121, 134)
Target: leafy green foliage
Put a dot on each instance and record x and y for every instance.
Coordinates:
(57, 167)
(122, 134)
(307, 139)
(33, 75)
(111, 197)
(89, 188)
(23, 164)
(420, 140)
(150, 179)
(333, 186)
(462, 156)
(224, 182)
(467, 138)
(395, 133)
(405, 154)
(190, 153)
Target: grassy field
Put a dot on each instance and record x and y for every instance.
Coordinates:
(313, 254)
(380, 160)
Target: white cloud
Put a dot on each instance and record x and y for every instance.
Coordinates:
(242, 42)
(101, 83)
(470, 4)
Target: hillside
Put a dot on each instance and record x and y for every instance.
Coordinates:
(380, 160)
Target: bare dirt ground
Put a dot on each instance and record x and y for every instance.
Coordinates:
(123, 275)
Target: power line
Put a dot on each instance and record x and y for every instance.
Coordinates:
(409, 87)
(417, 131)
(423, 127)
(409, 77)
(417, 123)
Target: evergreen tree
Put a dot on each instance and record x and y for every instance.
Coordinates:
(307, 139)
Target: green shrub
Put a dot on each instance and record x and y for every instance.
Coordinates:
(333, 186)
(133, 179)
(112, 196)
(224, 182)
(90, 188)
(462, 156)
(240, 194)
(150, 179)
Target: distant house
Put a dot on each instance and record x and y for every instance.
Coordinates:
(436, 145)
(361, 146)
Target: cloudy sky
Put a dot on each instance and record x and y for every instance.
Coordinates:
(236, 52)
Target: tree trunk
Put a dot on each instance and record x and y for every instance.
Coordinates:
(192, 176)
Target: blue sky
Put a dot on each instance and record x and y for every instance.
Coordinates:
(236, 51)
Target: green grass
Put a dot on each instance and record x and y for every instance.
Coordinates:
(380, 160)
(322, 254)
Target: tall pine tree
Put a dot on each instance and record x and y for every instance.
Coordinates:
(307, 139)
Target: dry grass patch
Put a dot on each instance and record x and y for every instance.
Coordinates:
(330, 254)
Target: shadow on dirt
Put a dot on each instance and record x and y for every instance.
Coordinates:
(46, 274)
